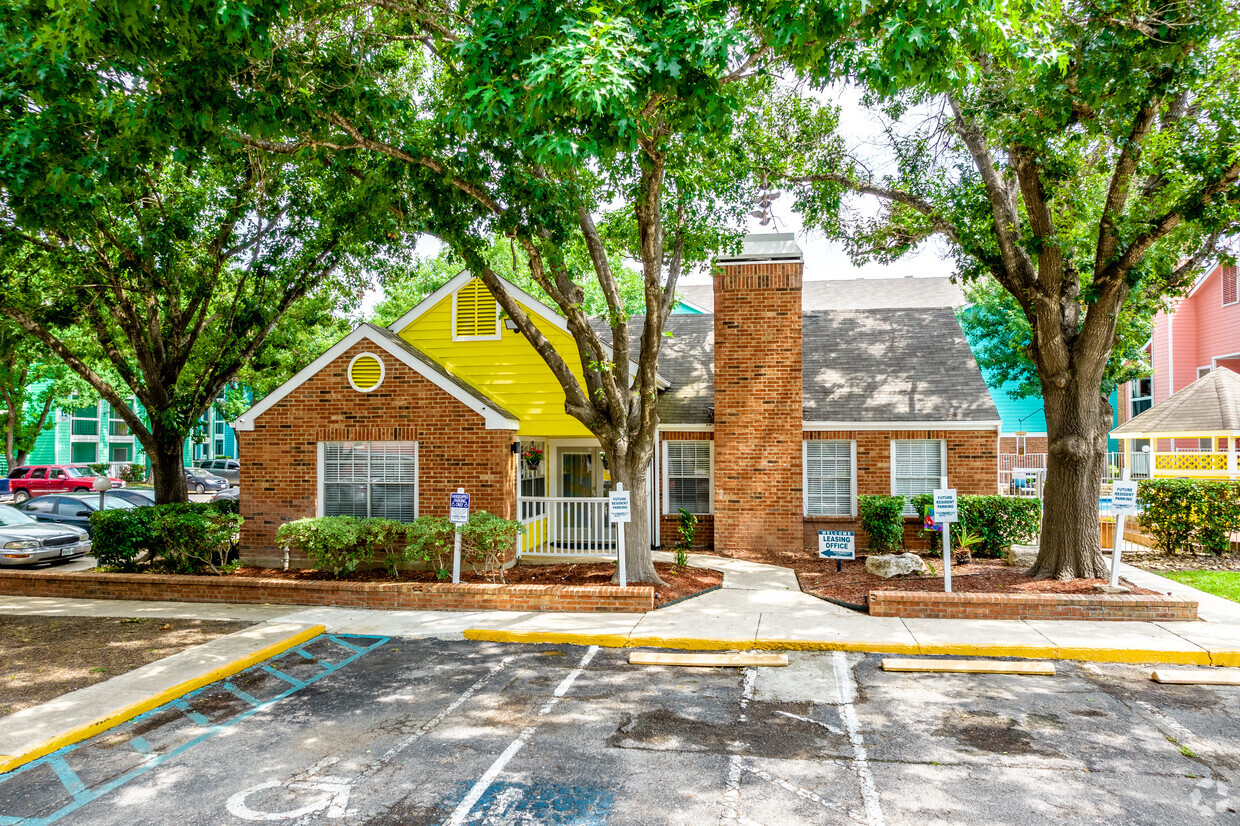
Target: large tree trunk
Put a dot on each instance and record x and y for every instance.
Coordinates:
(1077, 423)
(639, 565)
(167, 451)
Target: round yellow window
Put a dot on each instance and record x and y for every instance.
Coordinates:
(365, 372)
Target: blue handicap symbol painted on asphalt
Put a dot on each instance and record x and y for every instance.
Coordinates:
(544, 804)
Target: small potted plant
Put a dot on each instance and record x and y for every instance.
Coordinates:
(532, 456)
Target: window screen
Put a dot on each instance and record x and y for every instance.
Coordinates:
(918, 468)
(828, 478)
(688, 477)
(371, 479)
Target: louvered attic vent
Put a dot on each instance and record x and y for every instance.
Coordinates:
(475, 312)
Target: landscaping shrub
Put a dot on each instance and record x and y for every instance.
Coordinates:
(333, 544)
(191, 539)
(688, 532)
(385, 538)
(227, 505)
(132, 473)
(882, 517)
(1189, 514)
(488, 538)
(184, 537)
(430, 539)
(121, 537)
(100, 468)
(998, 522)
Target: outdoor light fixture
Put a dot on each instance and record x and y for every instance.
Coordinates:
(509, 324)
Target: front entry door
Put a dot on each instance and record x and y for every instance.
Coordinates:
(584, 475)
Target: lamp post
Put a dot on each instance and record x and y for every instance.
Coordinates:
(102, 484)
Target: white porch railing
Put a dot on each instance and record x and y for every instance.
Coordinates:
(1021, 474)
(565, 526)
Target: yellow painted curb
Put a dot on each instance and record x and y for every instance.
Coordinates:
(1226, 658)
(548, 637)
(132, 710)
(1029, 652)
(1135, 655)
(689, 643)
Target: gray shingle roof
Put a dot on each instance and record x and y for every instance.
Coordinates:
(878, 365)
(855, 294)
(1209, 405)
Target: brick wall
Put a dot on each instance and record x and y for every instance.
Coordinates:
(972, 468)
(757, 405)
(280, 471)
(1033, 444)
(422, 596)
(928, 604)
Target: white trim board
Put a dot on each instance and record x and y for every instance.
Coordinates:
(990, 425)
(494, 419)
(531, 304)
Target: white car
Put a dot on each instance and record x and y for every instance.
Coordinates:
(23, 541)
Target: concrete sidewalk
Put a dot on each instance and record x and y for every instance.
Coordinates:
(758, 607)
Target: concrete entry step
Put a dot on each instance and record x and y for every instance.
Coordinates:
(1228, 677)
(1029, 668)
(742, 660)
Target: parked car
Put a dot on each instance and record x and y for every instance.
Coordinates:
(32, 480)
(230, 469)
(200, 481)
(138, 496)
(70, 509)
(23, 541)
(230, 494)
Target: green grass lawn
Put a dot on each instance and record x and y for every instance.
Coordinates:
(1221, 583)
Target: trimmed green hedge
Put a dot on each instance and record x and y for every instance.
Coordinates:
(1190, 514)
(187, 537)
(882, 517)
(998, 521)
(340, 545)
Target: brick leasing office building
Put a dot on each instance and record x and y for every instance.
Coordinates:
(773, 420)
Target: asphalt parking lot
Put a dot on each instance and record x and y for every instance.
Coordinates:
(376, 730)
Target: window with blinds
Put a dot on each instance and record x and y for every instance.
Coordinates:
(1231, 290)
(918, 466)
(475, 312)
(829, 478)
(371, 479)
(687, 470)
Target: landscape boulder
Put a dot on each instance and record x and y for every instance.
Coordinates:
(889, 565)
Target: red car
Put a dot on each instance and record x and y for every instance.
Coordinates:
(31, 480)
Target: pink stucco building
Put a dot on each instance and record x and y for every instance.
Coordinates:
(1200, 333)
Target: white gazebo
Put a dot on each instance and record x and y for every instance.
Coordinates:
(1191, 434)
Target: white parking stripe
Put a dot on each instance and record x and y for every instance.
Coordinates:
(848, 692)
(480, 788)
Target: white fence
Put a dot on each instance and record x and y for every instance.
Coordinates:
(1025, 474)
(565, 526)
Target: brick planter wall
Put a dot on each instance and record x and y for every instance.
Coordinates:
(424, 596)
(930, 604)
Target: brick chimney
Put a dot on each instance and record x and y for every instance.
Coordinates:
(758, 502)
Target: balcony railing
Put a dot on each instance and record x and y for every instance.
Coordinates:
(85, 427)
(119, 428)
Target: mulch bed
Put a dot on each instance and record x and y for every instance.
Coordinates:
(853, 584)
(42, 658)
(680, 584)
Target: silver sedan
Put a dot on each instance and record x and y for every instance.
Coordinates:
(23, 541)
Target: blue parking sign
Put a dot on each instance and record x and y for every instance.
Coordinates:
(458, 508)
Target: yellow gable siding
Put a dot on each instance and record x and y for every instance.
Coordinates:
(508, 370)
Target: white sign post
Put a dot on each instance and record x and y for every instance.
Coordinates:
(619, 511)
(458, 514)
(1123, 503)
(945, 513)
